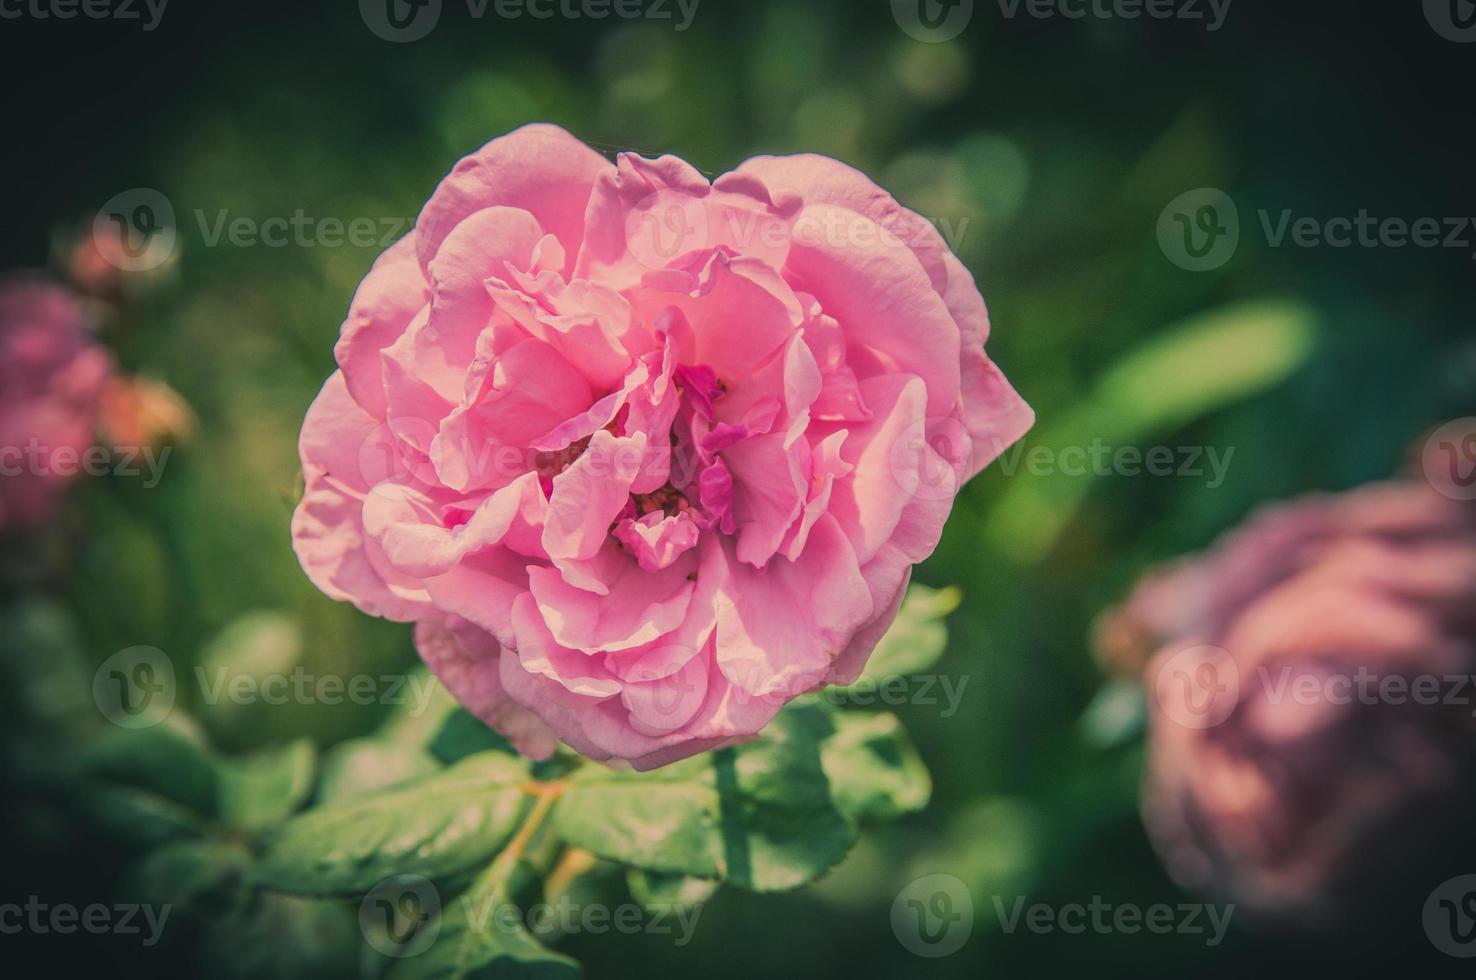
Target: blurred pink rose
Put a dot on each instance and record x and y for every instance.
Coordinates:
(647, 455)
(1312, 730)
(51, 382)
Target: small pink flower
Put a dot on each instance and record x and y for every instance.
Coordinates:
(647, 455)
(52, 377)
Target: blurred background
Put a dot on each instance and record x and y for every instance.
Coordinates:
(1052, 153)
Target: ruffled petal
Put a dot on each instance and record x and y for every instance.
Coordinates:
(778, 629)
(640, 606)
(538, 168)
(390, 296)
(328, 525)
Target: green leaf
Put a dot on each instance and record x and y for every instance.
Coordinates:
(917, 638)
(660, 890)
(1193, 368)
(463, 734)
(434, 826)
(255, 645)
(1207, 361)
(1117, 715)
(361, 766)
(476, 938)
(251, 648)
(874, 771)
(760, 816)
(138, 818)
(266, 788)
(169, 760)
(493, 948)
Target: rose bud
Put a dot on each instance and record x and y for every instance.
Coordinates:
(1312, 729)
(87, 266)
(110, 264)
(651, 454)
(142, 413)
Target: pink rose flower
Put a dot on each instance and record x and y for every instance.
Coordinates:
(646, 455)
(1302, 773)
(51, 383)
